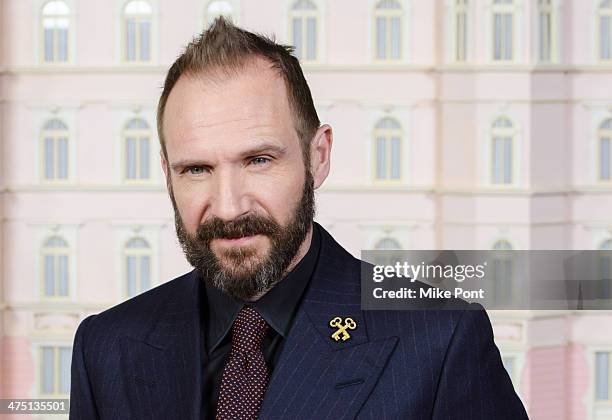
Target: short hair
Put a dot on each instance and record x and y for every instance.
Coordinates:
(227, 49)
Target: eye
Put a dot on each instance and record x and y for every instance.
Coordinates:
(259, 160)
(195, 170)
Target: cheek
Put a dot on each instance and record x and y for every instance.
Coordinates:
(279, 196)
(191, 207)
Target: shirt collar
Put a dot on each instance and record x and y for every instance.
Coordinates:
(277, 307)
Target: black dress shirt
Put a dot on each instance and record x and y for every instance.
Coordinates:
(278, 307)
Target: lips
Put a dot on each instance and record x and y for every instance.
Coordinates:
(236, 241)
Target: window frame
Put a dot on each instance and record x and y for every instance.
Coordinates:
(139, 133)
(122, 35)
(504, 9)
(599, 12)
(552, 8)
(56, 370)
(598, 152)
(46, 251)
(403, 39)
(70, 38)
(454, 11)
(55, 135)
(69, 47)
(508, 132)
(136, 252)
(123, 233)
(597, 403)
(387, 134)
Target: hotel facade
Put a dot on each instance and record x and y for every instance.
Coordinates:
(458, 124)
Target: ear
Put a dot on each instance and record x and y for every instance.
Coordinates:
(320, 154)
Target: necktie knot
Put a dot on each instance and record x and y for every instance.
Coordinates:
(248, 331)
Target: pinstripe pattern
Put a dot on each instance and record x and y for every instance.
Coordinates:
(141, 359)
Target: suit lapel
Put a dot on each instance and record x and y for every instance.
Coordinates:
(316, 376)
(163, 364)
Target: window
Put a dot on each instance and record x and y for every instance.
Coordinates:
(605, 270)
(137, 20)
(387, 243)
(387, 150)
(137, 266)
(603, 376)
(137, 144)
(509, 365)
(55, 268)
(304, 29)
(388, 258)
(388, 30)
(605, 30)
(503, 30)
(460, 30)
(502, 152)
(545, 31)
(55, 370)
(502, 273)
(604, 149)
(54, 148)
(218, 8)
(55, 26)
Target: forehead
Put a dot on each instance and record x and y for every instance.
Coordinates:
(252, 102)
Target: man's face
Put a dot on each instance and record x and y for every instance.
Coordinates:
(242, 194)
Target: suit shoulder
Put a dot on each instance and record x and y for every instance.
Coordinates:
(137, 312)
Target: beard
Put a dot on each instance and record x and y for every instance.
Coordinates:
(246, 275)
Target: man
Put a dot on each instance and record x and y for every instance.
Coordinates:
(247, 333)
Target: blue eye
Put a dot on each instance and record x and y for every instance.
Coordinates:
(195, 170)
(260, 160)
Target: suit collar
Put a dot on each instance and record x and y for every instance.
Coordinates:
(316, 376)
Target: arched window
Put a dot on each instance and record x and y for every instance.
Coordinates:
(304, 29)
(387, 258)
(387, 243)
(605, 151)
(137, 266)
(137, 138)
(55, 254)
(388, 30)
(55, 26)
(545, 31)
(460, 30)
(503, 30)
(218, 8)
(502, 152)
(605, 30)
(387, 150)
(502, 273)
(54, 149)
(137, 21)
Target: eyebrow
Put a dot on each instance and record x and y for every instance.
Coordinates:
(257, 150)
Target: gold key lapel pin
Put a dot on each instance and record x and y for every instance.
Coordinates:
(342, 333)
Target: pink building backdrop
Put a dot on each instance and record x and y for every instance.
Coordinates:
(459, 124)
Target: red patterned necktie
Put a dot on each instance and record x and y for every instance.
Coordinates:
(245, 377)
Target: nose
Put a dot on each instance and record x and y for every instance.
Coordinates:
(229, 200)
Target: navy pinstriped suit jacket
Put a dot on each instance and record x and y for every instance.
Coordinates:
(142, 358)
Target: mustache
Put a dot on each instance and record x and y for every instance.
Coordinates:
(249, 225)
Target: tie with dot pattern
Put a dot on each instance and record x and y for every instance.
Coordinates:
(245, 376)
